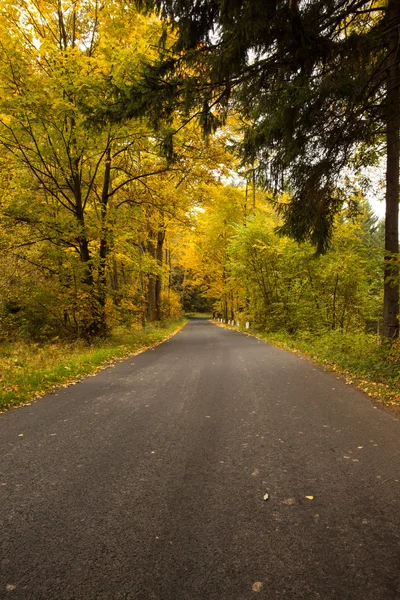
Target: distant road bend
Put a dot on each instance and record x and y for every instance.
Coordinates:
(147, 481)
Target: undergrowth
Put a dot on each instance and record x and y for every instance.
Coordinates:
(30, 370)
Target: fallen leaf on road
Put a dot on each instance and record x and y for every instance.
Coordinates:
(257, 586)
(266, 496)
(309, 497)
(10, 587)
(289, 501)
(255, 473)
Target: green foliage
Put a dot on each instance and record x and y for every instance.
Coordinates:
(278, 284)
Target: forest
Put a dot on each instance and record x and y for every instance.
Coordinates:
(168, 158)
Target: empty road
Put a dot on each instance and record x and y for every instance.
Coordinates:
(147, 481)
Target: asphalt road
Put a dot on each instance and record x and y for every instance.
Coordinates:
(147, 481)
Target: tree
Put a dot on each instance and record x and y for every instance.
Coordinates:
(90, 210)
(66, 180)
(319, 85)
(278, 284)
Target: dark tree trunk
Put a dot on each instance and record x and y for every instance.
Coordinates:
(168, 263)
(94, 324)
(225, 309)
(114, 281)
(232, 306)
(151, 299)
(143, 297)
(158, 282)
(151, 287)
(85, 257)
(104, 245)
(391, 288)
(82, 240)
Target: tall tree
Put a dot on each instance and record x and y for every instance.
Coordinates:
(319, 84)
(68, 177)
(392, 118)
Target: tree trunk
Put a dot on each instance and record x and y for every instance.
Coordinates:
(86, 259)
(225, 309)
(158, 282)
(232, 307)
(391, 286)
(151, 287)
(104, 245)
(82, 240)
(169, 265)
(143, 299)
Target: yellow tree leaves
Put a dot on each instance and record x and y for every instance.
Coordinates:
(100, 210)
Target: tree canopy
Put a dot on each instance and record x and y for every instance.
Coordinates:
(317, 85)
(115, 208)
(88, 209)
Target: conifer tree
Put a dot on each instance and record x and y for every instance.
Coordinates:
(319, 84)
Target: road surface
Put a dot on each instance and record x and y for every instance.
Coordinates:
(147, 481)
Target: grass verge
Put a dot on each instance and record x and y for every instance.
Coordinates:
(29, 371)
(372, 367)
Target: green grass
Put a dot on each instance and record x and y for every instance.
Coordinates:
(28, 371)
(359, 357)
